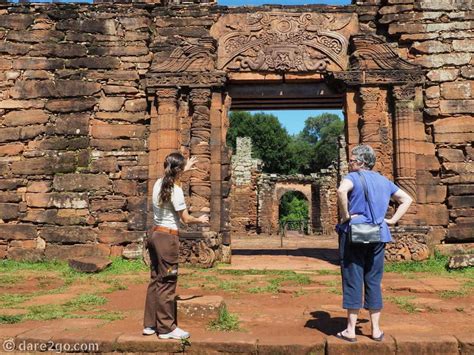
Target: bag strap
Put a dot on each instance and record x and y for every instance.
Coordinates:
(366, 194)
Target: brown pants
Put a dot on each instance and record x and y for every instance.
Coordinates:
(160, 305)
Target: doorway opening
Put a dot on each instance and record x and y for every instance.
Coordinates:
(291, 132)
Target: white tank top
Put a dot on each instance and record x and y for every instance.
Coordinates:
(166, 214)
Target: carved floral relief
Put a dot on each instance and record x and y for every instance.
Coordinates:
(273, 41)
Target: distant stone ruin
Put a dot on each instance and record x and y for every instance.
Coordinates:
(256, 196)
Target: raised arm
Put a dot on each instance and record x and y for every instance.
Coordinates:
(404, 200)
(188, 219)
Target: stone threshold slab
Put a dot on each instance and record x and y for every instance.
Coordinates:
(218, 343)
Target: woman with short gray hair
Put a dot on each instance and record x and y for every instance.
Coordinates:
(362, 264)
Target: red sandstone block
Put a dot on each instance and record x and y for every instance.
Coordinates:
(106, 131)
(64, 252)
(460, 168)
(112, 203)
(456, 106)
(466, 343)
(11, 149)
(457, 90)
(17, 231)
(461, 189)
(22, 254)
(432, 214)
(441, 344)
(73, 124)
(427, 162)
(461, 201)
(125, 187)
(71, 105)
(451, 155)
(25, 117)
(462, 124)
(118, 236)
(82, 182)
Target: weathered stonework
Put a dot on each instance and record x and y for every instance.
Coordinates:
(94, 96)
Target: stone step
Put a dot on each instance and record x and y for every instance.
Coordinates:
(454, 249)
(199, 306)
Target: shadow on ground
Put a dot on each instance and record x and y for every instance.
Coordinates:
(328, 325)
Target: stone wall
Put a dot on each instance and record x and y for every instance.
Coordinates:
(438, 35)
(93, 97)
(243, 196)
(74, 127)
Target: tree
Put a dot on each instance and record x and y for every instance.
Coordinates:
(322, 132)
(293, 207)
(269, 139)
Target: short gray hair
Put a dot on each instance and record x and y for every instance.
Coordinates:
(365, 154)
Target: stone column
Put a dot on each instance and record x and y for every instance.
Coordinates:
(200, 182)
(163, 137)
(164, 130)
(405, 156)
(216, 161)
(375, 127)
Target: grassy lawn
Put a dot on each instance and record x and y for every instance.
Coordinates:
(43, 276)
(21, 282)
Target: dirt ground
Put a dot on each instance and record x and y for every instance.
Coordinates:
(300, 303)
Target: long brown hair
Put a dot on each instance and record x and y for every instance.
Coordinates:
(174, 164)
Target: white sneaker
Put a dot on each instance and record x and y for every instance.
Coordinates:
(149, 331)
(177, 333)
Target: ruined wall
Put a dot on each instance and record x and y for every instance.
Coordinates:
(93, 97)
(438, 35)
(73, 130)
(320, 190)
(244, 194)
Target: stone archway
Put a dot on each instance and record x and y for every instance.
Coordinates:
(189, 85)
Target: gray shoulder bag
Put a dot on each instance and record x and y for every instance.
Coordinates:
(365, 233)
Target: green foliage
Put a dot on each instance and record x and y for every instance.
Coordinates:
(322, 133)
(403, 302)
(305, 153)
(293, 207)
(225, 321)
(436, 265)
(10, 319)
(85, 302)
(269, 139)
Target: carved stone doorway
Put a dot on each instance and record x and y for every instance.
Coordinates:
(278, 59)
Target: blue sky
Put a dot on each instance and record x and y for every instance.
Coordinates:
(293, 120)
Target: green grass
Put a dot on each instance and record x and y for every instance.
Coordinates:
(274, 284)
(10, 319)
(85, 302)
(225, 321)
(13, 300)
(452, 294)
(114, 285)
(403, 302)
(328, 272)
(10, 280)
(437, 265)
(81, 303)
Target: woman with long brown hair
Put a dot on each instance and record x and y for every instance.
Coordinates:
(169, 207)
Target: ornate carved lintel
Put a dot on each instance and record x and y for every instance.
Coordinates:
(214, 79)
(275, 41)
(378, 77)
